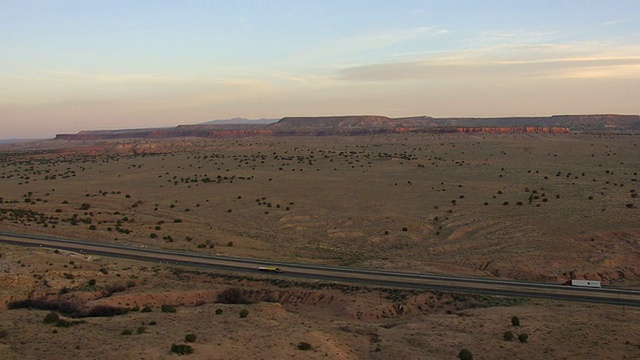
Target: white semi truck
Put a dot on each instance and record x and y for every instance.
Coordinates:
(584, 283)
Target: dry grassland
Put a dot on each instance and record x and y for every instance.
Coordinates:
(534, 207)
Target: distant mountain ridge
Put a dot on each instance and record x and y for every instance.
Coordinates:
(375, 124)
(239, 120)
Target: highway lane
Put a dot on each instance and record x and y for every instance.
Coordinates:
(381, 278)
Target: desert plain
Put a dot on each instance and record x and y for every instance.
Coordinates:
(537, 207)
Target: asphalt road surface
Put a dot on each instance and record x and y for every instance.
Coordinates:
(371, 277)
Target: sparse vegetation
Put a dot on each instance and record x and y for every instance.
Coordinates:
(234, 295)
(51, 318)
(415, 176)
(181, 349)
(465, 354)
(165, 308)
(67, 308)
(244, 313)
(523, 338)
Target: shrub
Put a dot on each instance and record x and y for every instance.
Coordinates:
(515, 321)
(141, 330)
(523, 338)
(508, 335)
(244, 313)
(153, 323)
(167, 308)
(465, 355)
(190, 338)
(234, 295)
(106, 311)
(230, 244)
(146, 309)
(304, 346)
(181, 349)
(126, 332)
(92, 282)
(218, 311)
(51, 318)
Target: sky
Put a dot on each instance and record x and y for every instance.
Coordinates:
(72, 65)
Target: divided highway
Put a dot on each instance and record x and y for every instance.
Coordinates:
(370, 277)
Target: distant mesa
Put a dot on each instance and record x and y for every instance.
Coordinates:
(239, 121)
(350, 125)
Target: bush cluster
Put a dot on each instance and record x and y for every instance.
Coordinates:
(181, 349)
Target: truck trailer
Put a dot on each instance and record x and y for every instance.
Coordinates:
(584, 283)
(269, 268)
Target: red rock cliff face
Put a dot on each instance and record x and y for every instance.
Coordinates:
(515, 130)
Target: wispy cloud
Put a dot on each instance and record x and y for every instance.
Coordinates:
(509, 60)
(371, 41)
(290, 77)
(125, 78)
(615, 22)
(132, 79)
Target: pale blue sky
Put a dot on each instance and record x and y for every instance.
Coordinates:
(67, 66)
